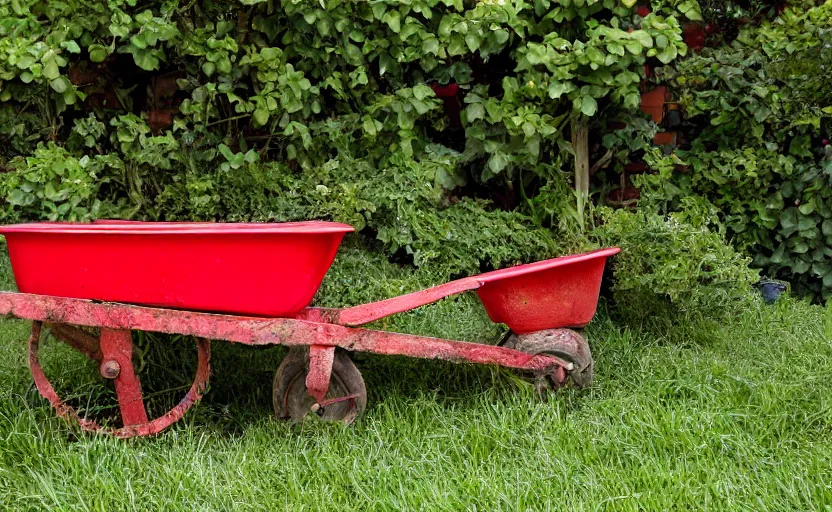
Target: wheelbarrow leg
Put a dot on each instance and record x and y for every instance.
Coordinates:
(308, 374)
(320, 371)
(117, 364)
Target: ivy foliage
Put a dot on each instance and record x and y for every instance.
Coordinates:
(762, 115)
(298, 109)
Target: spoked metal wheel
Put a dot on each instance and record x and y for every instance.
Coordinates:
(112, 349)
(563, 343)
(345, 399)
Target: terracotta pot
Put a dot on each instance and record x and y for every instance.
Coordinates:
(445, 91)
(694, 35)
(636, 167)
(665, 139)
(627, 195)
(159, 119)
(652, 103)
(448, 94)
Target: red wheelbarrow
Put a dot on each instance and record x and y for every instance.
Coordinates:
(252, 284)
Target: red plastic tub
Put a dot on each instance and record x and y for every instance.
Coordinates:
(252, 269)
(561, 292)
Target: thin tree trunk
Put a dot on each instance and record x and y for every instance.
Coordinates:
(580, 145)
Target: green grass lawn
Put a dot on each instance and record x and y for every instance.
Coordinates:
(699, 416)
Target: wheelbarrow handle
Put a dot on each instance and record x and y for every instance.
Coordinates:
(366, 313)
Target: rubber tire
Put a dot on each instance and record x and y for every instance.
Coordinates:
(290, 397)
(563, 343)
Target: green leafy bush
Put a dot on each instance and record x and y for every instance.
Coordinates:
(299, 109)
(405, 206)
(677, 259)
(761, 108)
(295, 110)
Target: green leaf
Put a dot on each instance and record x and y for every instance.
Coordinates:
(353, 54)
(20, 198)
(667, 55)
(558, 89)
(473, 42)
(421, 106)
(616, 49)
(445, 26)
(806, 223)
(369, 126)
(690, 8)
(224, 66)
(588, 106)
(260, 116)
(826, 227)
(226, 152)
(497, 162)
(501, 36)
(145, 59)
(25, 62)
(474, 111)
(779, 254)
(633, 47)
(643, 38)
(430, 46)
(98, 53)
(251, 156)
(595, 55)
(806, 208)
(71, 46)
(788, 219)
(378, 10)
(386, 63)
(457, 45)
(59, 84)
(422, 91)
(393, 20)
(50, 69)
(139, 41)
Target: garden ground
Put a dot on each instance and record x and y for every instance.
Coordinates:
(699, 415)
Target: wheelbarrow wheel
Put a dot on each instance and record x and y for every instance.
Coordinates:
(346, 398)
(113, 350)
(563, 343)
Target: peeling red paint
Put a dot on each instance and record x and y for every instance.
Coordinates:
(320, 370)
(117, 347)
(263, 331)
(116, 320)
(145, 428)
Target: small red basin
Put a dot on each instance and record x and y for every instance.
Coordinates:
(561, 292)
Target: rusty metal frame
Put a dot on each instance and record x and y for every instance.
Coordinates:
(265, 331)
(316, 329)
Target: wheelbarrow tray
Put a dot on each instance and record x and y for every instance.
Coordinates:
(253, 269)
